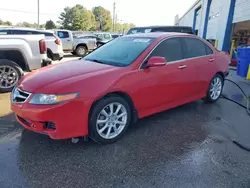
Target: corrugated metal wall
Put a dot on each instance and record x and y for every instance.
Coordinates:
(213, 20)
(241, 11)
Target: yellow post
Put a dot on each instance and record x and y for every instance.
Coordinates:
(216, 44)
(248, 74)
(232, 48)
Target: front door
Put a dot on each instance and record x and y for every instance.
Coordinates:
(168, 84)
(66, 39)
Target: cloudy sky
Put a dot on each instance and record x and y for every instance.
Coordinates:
(139, 12)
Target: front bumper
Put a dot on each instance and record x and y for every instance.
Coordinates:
(69, 118)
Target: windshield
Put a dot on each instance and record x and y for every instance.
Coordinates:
(121, 51)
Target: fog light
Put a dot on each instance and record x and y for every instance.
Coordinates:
(50, 125)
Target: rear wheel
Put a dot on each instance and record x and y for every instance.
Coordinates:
(10, 73)
(81, 51)
(109, 120)
(215, 89)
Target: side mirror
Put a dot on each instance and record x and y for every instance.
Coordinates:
(156, 61)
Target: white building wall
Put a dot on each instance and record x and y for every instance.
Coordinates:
(241, 11)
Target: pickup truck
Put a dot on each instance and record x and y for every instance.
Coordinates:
(75, 45)
(19, 53)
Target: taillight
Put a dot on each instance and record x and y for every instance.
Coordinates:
(57, 41)
(42, 46)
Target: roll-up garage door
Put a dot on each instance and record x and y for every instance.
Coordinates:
(213, 20)
(241, 11)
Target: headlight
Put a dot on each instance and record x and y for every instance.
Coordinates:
(52, 99)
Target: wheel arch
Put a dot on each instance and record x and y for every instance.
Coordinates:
(123, 95)
(81, 44)
(16, 56)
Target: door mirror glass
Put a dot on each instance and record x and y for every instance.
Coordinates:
(156, 61)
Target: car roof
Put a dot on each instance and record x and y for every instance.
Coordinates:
(158, 34)
(25, 29)
(160, 26)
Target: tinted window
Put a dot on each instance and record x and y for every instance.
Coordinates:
(126, 50)
(171, 49)
(4, 32)
(208, 50)
(163, 29)
(47, 34)
(22, 32)
(194, 47)
(63, 34)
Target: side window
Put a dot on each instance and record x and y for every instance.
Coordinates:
(194, 48)
(4, 32)
(171, 49)
(208, 50)
(22, 32)
(63, 34)
(107, 36)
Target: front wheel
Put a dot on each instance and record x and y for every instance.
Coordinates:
(10, 73)
(109, 120)
(215, 89)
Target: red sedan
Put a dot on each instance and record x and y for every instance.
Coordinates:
(130, 77)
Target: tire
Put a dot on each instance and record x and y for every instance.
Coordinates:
(49, 55)
(16, 73)
(109, 123)
(81, 51)
(210, 98)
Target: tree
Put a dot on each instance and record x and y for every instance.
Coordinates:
(103, 18)
(26, 24)
(7, 23)
(123, 27)
(77, 18)
(50, 25)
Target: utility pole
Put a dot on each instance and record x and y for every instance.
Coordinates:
(114, 15)
(38, 13)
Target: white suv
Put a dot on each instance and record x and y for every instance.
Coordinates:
(53, 43)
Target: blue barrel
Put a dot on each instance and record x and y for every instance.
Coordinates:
(243, 54)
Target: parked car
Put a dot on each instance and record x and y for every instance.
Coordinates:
(75, 45)
(53, 43)
(114, 36)
(148, 29)
(19, 53)
(106, 37)
(128, 78)
(99, 41)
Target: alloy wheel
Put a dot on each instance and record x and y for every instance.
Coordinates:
(8, 77)
(216, 88)
(111, 120)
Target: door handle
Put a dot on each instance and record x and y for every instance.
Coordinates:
(182, 66)
(211, 60)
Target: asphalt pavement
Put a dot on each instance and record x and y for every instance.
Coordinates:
(189, 146)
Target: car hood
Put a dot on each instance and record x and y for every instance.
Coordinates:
(43, 77)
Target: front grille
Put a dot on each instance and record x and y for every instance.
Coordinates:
(19, 96)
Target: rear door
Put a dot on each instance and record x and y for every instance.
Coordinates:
(67, 40)
(201, 55)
